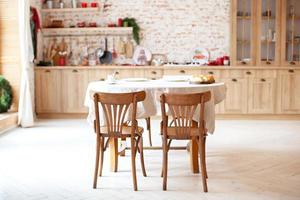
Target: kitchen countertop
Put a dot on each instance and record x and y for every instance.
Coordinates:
(168, 67)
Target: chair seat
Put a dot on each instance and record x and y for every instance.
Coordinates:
(171, 132)
(126, 131)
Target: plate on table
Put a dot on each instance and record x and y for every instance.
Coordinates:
(176, 78)
(135, 79)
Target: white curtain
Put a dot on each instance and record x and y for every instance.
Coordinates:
(25, 111)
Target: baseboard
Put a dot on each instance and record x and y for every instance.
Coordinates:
(258, 117)
(61, 115)
(8, 121)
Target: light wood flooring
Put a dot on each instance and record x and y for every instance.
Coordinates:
(245, 160)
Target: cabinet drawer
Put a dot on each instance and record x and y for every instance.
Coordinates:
(179, 72)
(153, 74)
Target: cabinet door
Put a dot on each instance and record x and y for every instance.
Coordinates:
(48, 91)
(236, 96)
(98, 74)
(243, 32)
(268, 28)
(74, 85)
(290, 43)
(261, 96)
(289, 92)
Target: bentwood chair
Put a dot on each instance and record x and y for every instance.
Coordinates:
(182, 108)
(116, 108)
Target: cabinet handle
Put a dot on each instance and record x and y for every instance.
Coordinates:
(153, 78)
(292, 63)
(291, 70)
(74, 70)
(243, 63)
(153, 72)
(47, 71)
(102, 79)
(249, 73)
(210, 72)
(263, 80)
(117, 73)
(234, 80)
(182, 71)
(268, 63)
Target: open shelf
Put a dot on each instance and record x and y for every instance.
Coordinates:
(87, 31)
(61, 10)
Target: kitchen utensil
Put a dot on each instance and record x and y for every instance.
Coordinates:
(120, 46)
(201, 56)
(106, 58)
(128, 49)
(99, 52)
(74, 3)
(141, 56)
(114, 53)
(158, 59)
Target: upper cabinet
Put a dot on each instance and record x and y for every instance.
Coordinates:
(265, 32)
(243, 32)
(268, 32)
(290, 42)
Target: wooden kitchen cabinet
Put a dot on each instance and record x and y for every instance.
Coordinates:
(290, 39)
(236, 96)
(48, 91)
(74, 85)
(98, 75)
(289, 92)
(261, 95)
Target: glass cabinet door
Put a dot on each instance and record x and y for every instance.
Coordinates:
(291, 32)
(268, 27)
(243, 37)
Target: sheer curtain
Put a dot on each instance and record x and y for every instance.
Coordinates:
(25, 111)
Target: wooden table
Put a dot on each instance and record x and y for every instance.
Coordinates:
(151, 106)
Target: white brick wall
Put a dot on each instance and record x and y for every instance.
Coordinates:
(173, 27)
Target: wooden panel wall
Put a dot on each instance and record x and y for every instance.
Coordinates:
(9, 46)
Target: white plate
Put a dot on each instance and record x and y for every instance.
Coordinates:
(135, 79)
(176, 78)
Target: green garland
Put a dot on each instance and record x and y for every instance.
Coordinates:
(135, 28)
(5, 95)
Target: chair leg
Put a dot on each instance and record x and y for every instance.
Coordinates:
(203, 168)
(133, 167)
(142, 156)
(101, 156)
(165, 163)
(204, 154)
(148, 122)
(96, 162)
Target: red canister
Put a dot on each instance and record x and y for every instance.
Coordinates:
(94, 4)
(120, 22)
(62, 61)
(84, 4)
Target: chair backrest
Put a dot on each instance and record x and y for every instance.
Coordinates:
(182, 108)
(115, 107)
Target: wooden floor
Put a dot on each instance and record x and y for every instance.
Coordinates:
(246, 160)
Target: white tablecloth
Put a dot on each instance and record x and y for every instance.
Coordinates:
(153, 88)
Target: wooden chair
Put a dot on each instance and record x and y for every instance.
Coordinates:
(115, 107)
(182, 108)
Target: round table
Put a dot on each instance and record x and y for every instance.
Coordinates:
(151, 105)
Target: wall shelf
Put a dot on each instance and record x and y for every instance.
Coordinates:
(51, 32)
(62, 10)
